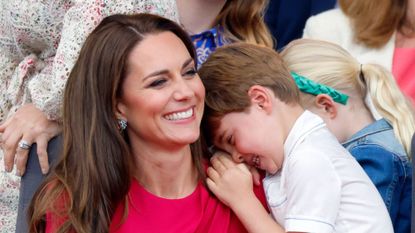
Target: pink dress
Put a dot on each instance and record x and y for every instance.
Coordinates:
(403, 68)
(200, 212)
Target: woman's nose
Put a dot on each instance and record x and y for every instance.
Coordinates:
(183, 90)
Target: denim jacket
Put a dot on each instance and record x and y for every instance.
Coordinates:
(384, 159)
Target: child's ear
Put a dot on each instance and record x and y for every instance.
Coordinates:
(326, 105)
(260, 97)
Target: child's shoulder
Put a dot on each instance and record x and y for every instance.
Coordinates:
(319, 148)
(310, 136)
(319, 141)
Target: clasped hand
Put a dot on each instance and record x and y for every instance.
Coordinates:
(229, 181)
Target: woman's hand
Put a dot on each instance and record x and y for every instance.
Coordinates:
(230, 182)
(27, 126)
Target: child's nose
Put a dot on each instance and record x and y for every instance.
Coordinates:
(237, 157)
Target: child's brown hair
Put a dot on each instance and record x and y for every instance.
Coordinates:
(230, 71)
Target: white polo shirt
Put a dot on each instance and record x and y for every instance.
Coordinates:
(321, 187)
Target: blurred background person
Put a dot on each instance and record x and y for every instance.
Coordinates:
(375, 31)
(213, 24)
(286, 18)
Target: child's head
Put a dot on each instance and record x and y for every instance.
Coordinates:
(251, 103)
(371, 89)
(238, 27)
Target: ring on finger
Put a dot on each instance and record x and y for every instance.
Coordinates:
(23, 144)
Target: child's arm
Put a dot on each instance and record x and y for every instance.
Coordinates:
(232, 184)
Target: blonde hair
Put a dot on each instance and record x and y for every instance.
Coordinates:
(375, 21)
(329, 64)
(243, 21)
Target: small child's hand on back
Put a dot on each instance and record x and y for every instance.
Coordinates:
(230, 182)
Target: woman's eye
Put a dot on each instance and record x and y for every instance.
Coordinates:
(157, 83)
(191, 72)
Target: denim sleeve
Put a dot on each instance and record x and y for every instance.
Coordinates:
(402, 224)
(392, 177)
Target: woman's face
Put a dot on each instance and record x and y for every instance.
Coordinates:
(162, 95)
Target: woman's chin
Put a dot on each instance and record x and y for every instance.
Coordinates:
(186, 139)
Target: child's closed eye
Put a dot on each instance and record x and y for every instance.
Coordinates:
(230, 140)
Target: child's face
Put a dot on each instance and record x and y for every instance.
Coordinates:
(252, 137)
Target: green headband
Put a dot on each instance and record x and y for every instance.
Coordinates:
(308, 86)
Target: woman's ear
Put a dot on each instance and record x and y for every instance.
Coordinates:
(120, 110)
(326, 105)
(261, 97)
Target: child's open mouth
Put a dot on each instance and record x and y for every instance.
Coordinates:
(256, 161)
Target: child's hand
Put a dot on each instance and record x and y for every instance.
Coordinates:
(256, 177)
(230, 182)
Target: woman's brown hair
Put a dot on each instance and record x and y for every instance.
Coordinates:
(243, 20)
(93, 174)
(375, 21)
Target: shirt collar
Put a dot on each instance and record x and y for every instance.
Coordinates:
(307, 123)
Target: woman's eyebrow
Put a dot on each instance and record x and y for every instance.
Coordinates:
(155, 73)
(158, 72)
(187, 62)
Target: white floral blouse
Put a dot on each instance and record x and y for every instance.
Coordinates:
(39, 43)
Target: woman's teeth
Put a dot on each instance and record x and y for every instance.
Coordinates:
(180, 115)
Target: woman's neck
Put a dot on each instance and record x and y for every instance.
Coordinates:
(405, 37)
(168, 174)
(197, 16)
(403, 41)
(410, 12)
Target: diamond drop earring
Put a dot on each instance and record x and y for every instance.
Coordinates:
(122, 124)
